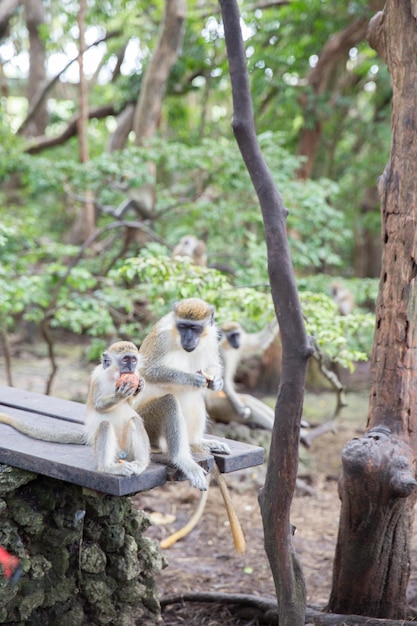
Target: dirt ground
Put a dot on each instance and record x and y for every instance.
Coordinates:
(206, 559)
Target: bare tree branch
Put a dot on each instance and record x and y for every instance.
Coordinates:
(276, 496)
(41, 143)
(45, 87)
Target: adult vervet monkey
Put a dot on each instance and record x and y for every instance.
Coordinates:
(228, 405)
(192, 247)
(180, 360)
(112, 426)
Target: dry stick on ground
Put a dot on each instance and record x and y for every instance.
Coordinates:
(276, 496)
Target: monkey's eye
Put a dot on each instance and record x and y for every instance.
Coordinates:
(195, 328)
(129, 359)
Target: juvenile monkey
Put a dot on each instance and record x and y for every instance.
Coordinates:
(192, 247)
(229, 405)
(114, 429)
(180, 361)
(112, 426)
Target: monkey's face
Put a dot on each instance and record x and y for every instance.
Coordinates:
(128, 363)
(190, 333)
(234, 339)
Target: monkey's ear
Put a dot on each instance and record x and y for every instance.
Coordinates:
(212, 315)
(220, 335)
(105, 360)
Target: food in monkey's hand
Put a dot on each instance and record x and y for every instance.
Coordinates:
(129, 379)
(208, 377)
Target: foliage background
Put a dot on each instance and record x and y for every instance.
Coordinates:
(98, 287)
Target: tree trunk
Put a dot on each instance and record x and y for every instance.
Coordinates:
(35, 18)
(378, 487)
(276, 496)
(367, 251)
(85, 223)
(147, 113)
(7, 9)
(149, 106)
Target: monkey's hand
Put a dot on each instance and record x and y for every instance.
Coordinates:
(140, 386)
(215, 384)
(200, 379)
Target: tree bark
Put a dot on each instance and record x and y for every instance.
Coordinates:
(378, 487)
(276, 496)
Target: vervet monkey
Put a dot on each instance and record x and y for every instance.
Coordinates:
(229, 405)
(343, 298)
(180, 360)
(112, 426)
(117, 433)
(192, 247)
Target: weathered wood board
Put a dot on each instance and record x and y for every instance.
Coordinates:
(75, 463)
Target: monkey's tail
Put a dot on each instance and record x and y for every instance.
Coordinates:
(42, 433)
(192, 523)
(237, 533)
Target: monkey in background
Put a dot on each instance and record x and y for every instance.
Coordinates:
(112, 427)
(228, 405)
(192, 247)
(343, 298)
(180, 361)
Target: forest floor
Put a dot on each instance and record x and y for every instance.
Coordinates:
(206, 561)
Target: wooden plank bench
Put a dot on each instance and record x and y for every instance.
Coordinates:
(75, 463)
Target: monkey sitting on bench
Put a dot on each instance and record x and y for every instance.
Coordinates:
(180, 361)
(112, 426)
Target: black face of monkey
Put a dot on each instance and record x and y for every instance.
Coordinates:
(190, 333)
(234, 339)
(127, 363)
